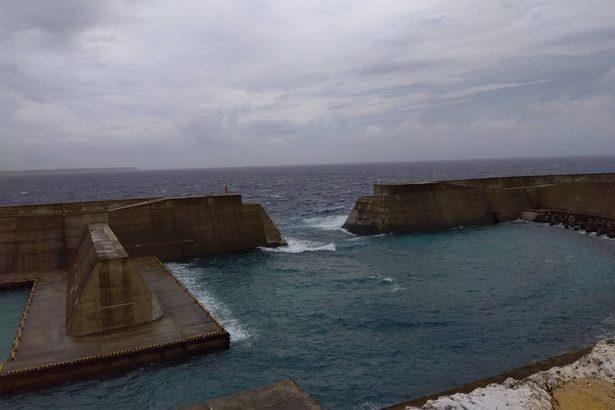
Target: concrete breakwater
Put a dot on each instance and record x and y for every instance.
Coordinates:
(100, 299)
(587, 223)
(397, 208)
(579, 379)
(38, 238)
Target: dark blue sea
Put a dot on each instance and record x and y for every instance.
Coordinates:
(359, 322)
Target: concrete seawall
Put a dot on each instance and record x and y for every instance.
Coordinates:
(396, 208)
(40, 238)
(100, 299)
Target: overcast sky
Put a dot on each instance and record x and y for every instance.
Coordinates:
(196, 83)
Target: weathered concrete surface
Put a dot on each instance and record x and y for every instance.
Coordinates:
(439, 205)
(38, 238)
(593, 198)
(42, 237)
(586, 383)
(101, 299)
(286, 395)
(105, 290)
(175, 228)
(585, 394)
(45, 354)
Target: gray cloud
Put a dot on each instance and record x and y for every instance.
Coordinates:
(63, 17)
(198, 83)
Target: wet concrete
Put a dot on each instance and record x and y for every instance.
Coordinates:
(46, 354)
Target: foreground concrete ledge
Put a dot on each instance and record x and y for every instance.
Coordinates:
(44, 354)
(285, 395)
(583, 378)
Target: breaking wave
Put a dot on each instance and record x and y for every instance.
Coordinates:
(218, 309)
(327, 223)
(300, 246)
(388, 281)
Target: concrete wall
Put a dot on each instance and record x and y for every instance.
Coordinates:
(178, 228)
(494, 183)
(104, 289)
(43, 237)
(31, 242)
(440, 205)
(592, 198)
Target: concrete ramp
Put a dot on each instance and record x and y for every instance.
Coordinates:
(105, 290)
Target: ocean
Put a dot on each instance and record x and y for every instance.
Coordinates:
(359, 322)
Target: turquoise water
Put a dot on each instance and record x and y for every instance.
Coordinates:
(359, 322)
(370, 321)
(12, 303)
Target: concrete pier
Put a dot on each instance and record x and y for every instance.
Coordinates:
(101, 300)
(44, 353)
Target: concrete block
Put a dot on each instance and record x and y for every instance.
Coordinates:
(105, 290)
(285, 395)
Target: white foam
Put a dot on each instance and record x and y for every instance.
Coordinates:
(300, 246)
(219, 310)
(389, 281)
(397, 288)
(327, 223)
(383, 279)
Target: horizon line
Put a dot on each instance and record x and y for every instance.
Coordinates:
(135, 168)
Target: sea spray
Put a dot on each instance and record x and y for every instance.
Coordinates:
(300, 246)
(188, 276)
(327, 223)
